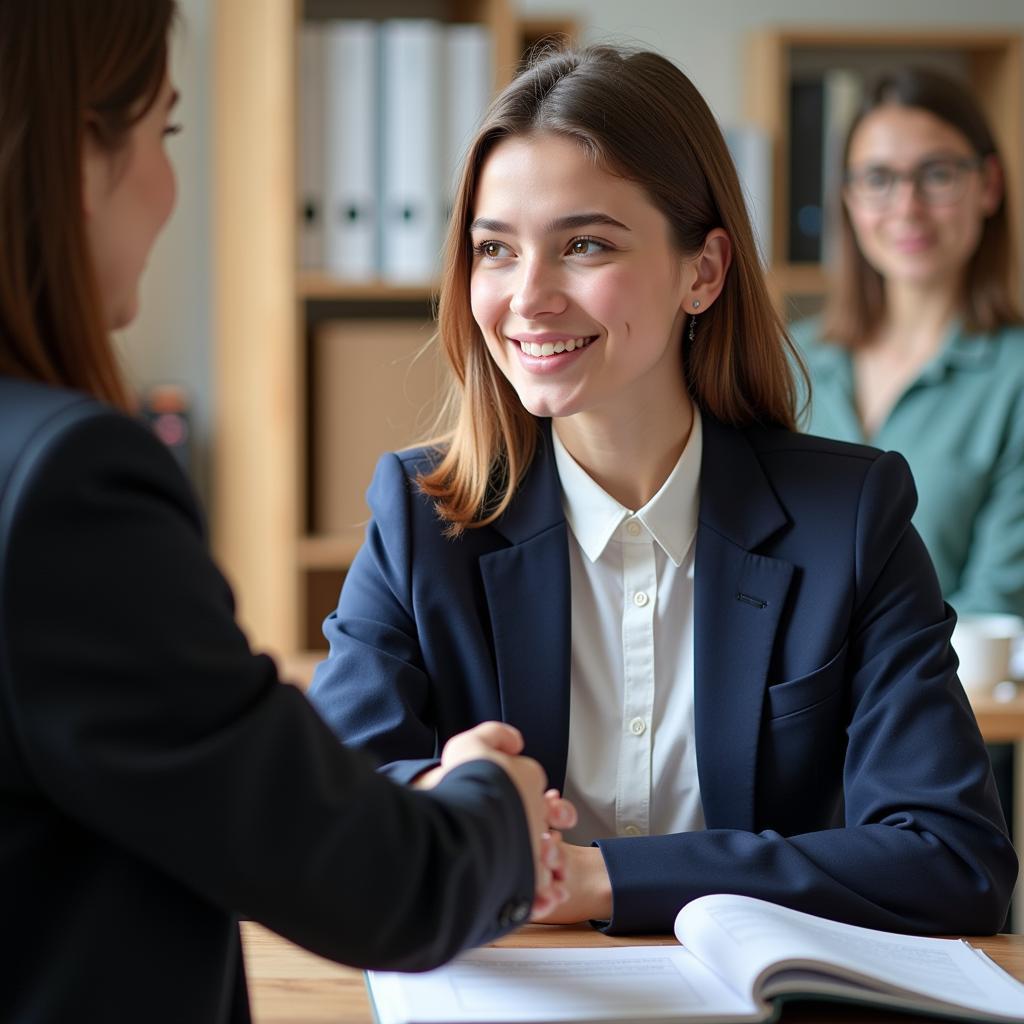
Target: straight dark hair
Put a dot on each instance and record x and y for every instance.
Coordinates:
(69, 69)
(856, 302)
(636, 115)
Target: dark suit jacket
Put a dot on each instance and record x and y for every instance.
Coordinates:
(155, 777)
(841, 769)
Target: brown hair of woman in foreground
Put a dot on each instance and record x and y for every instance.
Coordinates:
(52, 325)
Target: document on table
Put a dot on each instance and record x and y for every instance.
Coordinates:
(738, 958)
(620, 983)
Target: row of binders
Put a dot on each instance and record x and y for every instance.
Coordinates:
(387, 110)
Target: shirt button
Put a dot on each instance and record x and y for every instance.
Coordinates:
(633, 528)
(640, 599)
(638, 727)
(631, 830)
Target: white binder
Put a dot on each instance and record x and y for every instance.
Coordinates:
(311, 161)
(843, 95)
(351, 119)
(412, 206)
(751, 151)
(469, 81)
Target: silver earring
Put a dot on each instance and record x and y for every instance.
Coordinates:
(693, 320)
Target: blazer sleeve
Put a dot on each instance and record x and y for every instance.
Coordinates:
(139, 711)
(923, 845)
(374, 689)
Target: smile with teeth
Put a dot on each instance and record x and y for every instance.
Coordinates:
(551, 348)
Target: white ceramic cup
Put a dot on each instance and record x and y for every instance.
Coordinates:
(983, 644)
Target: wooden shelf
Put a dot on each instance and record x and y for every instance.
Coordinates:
(319, 285)
(321, 551)
(548, 32)
(829, 37)
(268, 313)
(798, 278)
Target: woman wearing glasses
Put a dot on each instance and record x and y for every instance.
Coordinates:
(921, 348)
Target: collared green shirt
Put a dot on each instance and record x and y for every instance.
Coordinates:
(960, 426)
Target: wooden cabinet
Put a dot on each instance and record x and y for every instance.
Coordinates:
(989, 60)
(274, 480)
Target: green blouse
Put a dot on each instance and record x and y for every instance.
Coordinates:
(960, 425)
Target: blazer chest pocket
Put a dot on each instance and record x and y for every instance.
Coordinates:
(802, 750)
(807, 692)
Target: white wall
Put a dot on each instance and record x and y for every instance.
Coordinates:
(170, 342)
(706, 38)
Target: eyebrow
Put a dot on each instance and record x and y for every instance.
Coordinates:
(175, 96)
(938, 154)
(569, 223)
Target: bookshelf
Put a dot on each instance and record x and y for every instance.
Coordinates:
(268, 490)
(989, 60)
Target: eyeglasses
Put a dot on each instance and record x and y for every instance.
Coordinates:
(939, 182)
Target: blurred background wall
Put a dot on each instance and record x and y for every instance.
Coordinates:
(171, 341)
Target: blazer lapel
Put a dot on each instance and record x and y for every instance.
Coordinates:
(528, 598)
(739, 596)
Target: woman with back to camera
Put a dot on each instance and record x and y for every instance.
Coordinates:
(724, 637)
(156, 780)
(921, 345)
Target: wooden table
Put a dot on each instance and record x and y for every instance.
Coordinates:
(1000, 721)
(287, 985)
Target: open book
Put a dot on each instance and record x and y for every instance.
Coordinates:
(739, 959)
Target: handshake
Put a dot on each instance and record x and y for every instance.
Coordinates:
(547, 812)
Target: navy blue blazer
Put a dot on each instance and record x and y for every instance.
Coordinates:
(157, 780)
(841, 768)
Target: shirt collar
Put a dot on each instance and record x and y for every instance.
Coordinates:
(670, 516)
(958, 350)
(966, 351)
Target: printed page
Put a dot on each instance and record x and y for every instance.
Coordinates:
(628, 983)
(741, 938)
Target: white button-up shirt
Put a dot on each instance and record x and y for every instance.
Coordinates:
(632, 765)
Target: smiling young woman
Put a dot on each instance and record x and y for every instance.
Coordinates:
(724, 638)
(739, 383)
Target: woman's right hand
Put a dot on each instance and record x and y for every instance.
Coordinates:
(546, 811)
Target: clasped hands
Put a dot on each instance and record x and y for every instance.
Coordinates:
(547, 812)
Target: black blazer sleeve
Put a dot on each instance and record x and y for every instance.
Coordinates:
(131, 702)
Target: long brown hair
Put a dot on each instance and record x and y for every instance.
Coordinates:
(68, 68)
(856, 302)
(638, 116)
